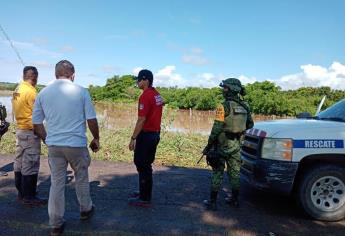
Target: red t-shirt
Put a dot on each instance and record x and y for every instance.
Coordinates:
(151, 107)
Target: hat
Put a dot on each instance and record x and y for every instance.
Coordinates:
(145, 75)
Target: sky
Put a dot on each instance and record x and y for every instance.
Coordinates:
(183, 42)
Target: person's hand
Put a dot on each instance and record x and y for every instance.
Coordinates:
(94, 145)
(131, 145)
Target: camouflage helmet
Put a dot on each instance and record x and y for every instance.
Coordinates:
(233, 84)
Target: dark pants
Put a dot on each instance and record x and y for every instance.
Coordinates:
(144, 155)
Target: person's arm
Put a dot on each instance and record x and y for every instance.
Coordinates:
(138, 127)
(93, 126)
(92, 123)
(40, 131)
(37, 120)
(144, 107)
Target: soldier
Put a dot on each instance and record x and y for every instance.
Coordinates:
(28, 145)
(232, 119)
(3, 128)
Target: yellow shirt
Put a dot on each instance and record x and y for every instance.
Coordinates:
(23, 103)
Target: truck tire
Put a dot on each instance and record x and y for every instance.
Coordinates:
(322, 192)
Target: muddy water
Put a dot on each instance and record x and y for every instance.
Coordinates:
(115, 116)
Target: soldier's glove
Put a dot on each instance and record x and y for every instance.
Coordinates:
(212, 158)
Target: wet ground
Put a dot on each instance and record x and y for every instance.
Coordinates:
(177, 207)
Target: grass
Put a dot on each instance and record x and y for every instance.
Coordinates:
(174, 149)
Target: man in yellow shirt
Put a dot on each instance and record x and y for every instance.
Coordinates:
(28, 145)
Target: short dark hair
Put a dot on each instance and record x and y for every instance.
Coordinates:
(64, 68)
(27, 68)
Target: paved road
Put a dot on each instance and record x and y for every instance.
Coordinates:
(177, 208)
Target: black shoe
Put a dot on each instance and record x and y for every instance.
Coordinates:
(85, 215)
(57, 231)
(136, 201)
(210, 205)
(232, 200)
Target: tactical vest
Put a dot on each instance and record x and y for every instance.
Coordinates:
(235, 117)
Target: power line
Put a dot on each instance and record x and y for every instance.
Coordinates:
(12, 45)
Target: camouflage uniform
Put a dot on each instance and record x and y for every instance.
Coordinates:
(3, 128)
(232, 119)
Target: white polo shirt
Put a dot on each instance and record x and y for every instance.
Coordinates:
(65, 107)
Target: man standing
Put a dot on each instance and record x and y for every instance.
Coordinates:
(146, 137)
(28, 145)
(232, 119)
(66, 107)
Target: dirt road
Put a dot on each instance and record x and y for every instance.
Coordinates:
(177, 207)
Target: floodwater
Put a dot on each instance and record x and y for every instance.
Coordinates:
(116, 116)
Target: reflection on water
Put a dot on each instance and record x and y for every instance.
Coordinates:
(116, 116)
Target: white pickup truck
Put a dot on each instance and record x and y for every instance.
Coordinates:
(304, 157)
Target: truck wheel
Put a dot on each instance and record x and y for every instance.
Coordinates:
(322, 193)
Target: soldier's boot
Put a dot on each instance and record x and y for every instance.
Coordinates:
(211, 204)
(18, 184)
(29, 183)
(233, 199)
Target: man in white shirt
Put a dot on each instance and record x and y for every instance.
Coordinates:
(66, 108)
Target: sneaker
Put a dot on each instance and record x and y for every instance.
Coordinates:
(136, 201)
(57, 231)
(3, 173)
(210, 205)
(84, 215)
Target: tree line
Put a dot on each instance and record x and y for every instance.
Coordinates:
(265, 98)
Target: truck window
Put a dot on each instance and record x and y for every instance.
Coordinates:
(335, 112)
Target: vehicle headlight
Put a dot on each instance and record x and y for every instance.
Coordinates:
(277, 149)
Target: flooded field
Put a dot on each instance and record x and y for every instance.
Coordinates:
(115, 116)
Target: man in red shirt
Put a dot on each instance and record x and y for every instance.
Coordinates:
(146, 137)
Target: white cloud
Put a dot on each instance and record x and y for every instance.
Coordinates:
(247, 80)
(110, 69)
(32, 48)
(67, 48)
(168, 77)
(43, 64)
(136, 70)
(12, 71)
(195, 56)
(315, 76)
